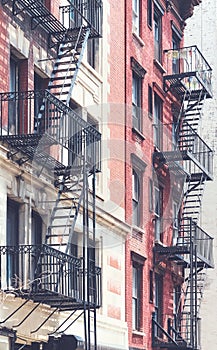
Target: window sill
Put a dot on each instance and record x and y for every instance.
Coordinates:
(159, 66)
(139, 39)
(158, 242)
(138, 229)
(139, 333)
(138, 133)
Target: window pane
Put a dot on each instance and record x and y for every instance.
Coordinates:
(157, 34)
(136, 198)
(136, 299)
(136, 101)
(136, 16)
(149, 12)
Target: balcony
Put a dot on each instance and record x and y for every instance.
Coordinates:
(191, 241)
(188, 146)
(78, 14)
(189, 72)
(36, 126)
(49, 276)
(86, 13)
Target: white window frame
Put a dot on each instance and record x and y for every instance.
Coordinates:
(136, 16)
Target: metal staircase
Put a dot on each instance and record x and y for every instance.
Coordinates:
(67, 65)
(193, 249)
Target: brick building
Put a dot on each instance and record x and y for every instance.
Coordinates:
(57, 236)
(166, 84)
(102, 172)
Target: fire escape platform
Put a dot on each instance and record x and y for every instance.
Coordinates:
(58, 33)
(32, 147)
(176, 82)
(170, 157)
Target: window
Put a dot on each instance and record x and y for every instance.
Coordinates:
(74, 137)
(158, 193)
(151, 207)
(158, 300)
(157, 34)
(150, 102)
(138, 73)
(158, 108)
(93, 53)
(136, 101)
(13, 120)
(136, 198)
(149, 12)
(93, 150)
(175, 222)
(138, 168)
(177, 306)
(39, 84)
(136, 19)
(175, 60)
(136, 295)
(13, 241)
(151, 294)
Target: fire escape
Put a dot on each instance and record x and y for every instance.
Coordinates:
(190, 84)
(60, 143)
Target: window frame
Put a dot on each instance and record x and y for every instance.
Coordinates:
(136, 197)
(157, 21)
(158, 116)
(136, 17)
(150, 101)
(93, 53)
(158, 212)
(137, 290)
(158, 300)
(149, 13)
(136, 101)
(138, 167)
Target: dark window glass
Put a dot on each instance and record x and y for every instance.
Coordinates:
(157, 34)
(136, 295)
(158, 106)
(136, 198)
(149, 12)
(136, 101)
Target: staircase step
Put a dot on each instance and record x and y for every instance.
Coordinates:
(58, 86)
(58, 226)
(61, 78)
(56, 235)
(63, 217)
(63, 70)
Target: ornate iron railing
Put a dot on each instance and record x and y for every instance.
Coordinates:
(32, 270)
(82, 12)
(41, 113)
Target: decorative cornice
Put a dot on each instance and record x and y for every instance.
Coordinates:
(182, 8)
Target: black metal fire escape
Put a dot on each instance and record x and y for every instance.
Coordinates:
(191, 84)
(68, 148)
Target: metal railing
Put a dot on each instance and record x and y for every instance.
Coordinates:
(39, 112)
(180, 146)
(41, 269)
(82, 12)
(190, 141)
(203, 242)
(190, 60)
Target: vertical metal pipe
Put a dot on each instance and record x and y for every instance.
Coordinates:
(191, 276)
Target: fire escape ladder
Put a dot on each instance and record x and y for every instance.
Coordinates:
(67, 65)
(66, 207)
(193, 198)
(193, 109)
